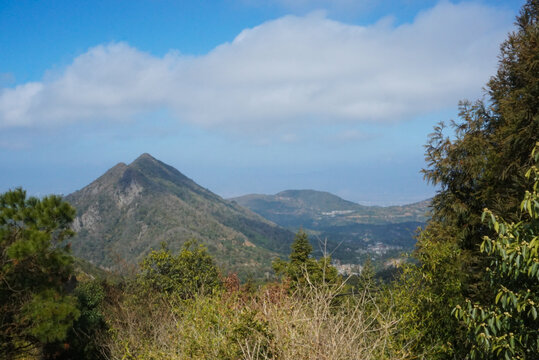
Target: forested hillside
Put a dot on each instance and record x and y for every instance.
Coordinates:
(133, 208)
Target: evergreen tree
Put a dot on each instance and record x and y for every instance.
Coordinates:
(482, 166)
(302, 269)
(35, 266)
(301, 248)
(84, 339)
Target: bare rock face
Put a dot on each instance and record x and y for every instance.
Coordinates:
(128, 195)
(132, 208)
(90, 218)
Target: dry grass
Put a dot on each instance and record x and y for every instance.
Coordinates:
(318, 324)
(315, 323)
(141, 330)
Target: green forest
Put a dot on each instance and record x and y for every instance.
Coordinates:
(471, 293)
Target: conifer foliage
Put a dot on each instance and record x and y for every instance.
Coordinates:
(302, 269)
(482, 164)
(35, 267)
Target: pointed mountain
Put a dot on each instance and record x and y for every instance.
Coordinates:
(132, 208)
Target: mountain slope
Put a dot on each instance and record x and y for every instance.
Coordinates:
(132, 208)
(352, 231)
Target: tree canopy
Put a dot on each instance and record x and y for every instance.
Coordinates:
(481, 164)
(508, 327)
(35, 266)
(192, 271)
(302, 269)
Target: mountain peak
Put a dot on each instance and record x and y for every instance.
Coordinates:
(147, 164)
(144, 157)
(133, 208)
(159, 171)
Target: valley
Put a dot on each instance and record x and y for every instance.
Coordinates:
(350, 232)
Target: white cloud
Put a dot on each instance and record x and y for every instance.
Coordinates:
(293, 69)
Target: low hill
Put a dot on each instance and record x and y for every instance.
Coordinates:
(132, 208)
(310, 208)
(352, 231)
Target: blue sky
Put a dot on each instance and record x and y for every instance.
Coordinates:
(242, 96)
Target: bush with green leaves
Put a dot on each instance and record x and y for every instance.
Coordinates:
(192, 271)
(508, 328)
(425, 294)
(35, 266)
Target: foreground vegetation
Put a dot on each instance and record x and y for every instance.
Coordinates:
(474, 292)
(233, 323)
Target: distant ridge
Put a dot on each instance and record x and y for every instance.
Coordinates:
(351, 232)
(132, 208)
(308, 207)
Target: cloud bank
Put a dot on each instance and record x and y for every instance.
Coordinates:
(289, 70)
